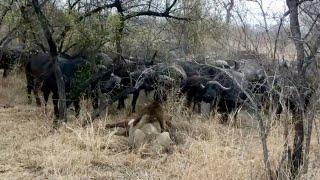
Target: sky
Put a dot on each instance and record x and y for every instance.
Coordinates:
(273, 8)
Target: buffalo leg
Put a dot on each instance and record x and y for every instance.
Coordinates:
(134, 101)
(36, 92)
(196, 107)
(29, 89)
(235, 116)
(6, 69)
(189, 100)
(30, 83)
(224, 118)
(5, 72)
(95, 101)
(121, 104)
(278, 111)
(46, 94)
(224, 112)
(213, 108)
(76, 105)
(199, 107)
(189, 103)
(55, 99)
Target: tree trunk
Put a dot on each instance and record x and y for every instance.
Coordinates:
(229, 8)
(54, 57)
(296, 34)
(118, 41)
(119, 32)
(297, 156)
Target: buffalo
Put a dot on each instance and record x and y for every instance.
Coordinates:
(221, 87)
(196, 87)
(11, 57)
(40, 76)
(128, 70)
(226, 99)
(159, 78)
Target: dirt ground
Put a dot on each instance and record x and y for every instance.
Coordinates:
(31, 149)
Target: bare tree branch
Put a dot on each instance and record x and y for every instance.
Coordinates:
(7, 38)
(72, 5)
(98, 9)
(228, 8)
(166, 13)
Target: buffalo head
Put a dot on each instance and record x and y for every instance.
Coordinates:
(112, 84)
(213, 90)
(146, 80)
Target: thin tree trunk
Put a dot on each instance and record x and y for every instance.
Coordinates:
(296, 34)
(310, 120)
(297, 156)
(308, 141)
(54, 57)
(119, 32)
(118, 40)
(229, 8)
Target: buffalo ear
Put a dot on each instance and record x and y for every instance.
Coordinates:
(202, 86)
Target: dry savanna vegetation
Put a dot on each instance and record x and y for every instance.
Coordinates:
(236, 83)
(30, 148)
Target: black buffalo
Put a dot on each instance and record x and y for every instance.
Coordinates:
(40, 76)
(226, 100)
(193, 68)
(197, 88)
(160, 78)
(11, 57)
(106, 87)
(221, 87)
(128, 70)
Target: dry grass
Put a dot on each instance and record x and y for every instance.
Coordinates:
(30, 149)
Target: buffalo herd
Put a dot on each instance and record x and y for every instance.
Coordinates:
(224, 84)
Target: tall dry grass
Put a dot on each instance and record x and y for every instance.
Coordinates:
(205, 149)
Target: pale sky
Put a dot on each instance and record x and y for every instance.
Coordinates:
(273, 8)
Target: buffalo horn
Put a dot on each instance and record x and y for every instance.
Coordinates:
(220, 85)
